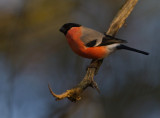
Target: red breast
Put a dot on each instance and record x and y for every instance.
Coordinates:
(73, 38)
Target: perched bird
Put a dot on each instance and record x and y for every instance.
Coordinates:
(92, 44)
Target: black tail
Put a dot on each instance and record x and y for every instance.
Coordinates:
(131, 49)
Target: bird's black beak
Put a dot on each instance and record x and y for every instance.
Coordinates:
(63, 30)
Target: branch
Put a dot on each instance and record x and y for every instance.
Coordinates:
(74, 94)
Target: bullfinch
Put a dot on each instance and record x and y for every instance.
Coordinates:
(92, 44)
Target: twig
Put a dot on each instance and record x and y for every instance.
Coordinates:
(74, 94)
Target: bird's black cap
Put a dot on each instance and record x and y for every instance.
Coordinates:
(64, 29)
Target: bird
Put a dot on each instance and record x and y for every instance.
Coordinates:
(92, 44)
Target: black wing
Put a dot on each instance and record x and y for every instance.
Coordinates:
(91, 44)
(108, 40)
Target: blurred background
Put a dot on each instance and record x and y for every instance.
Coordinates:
(34, 53)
